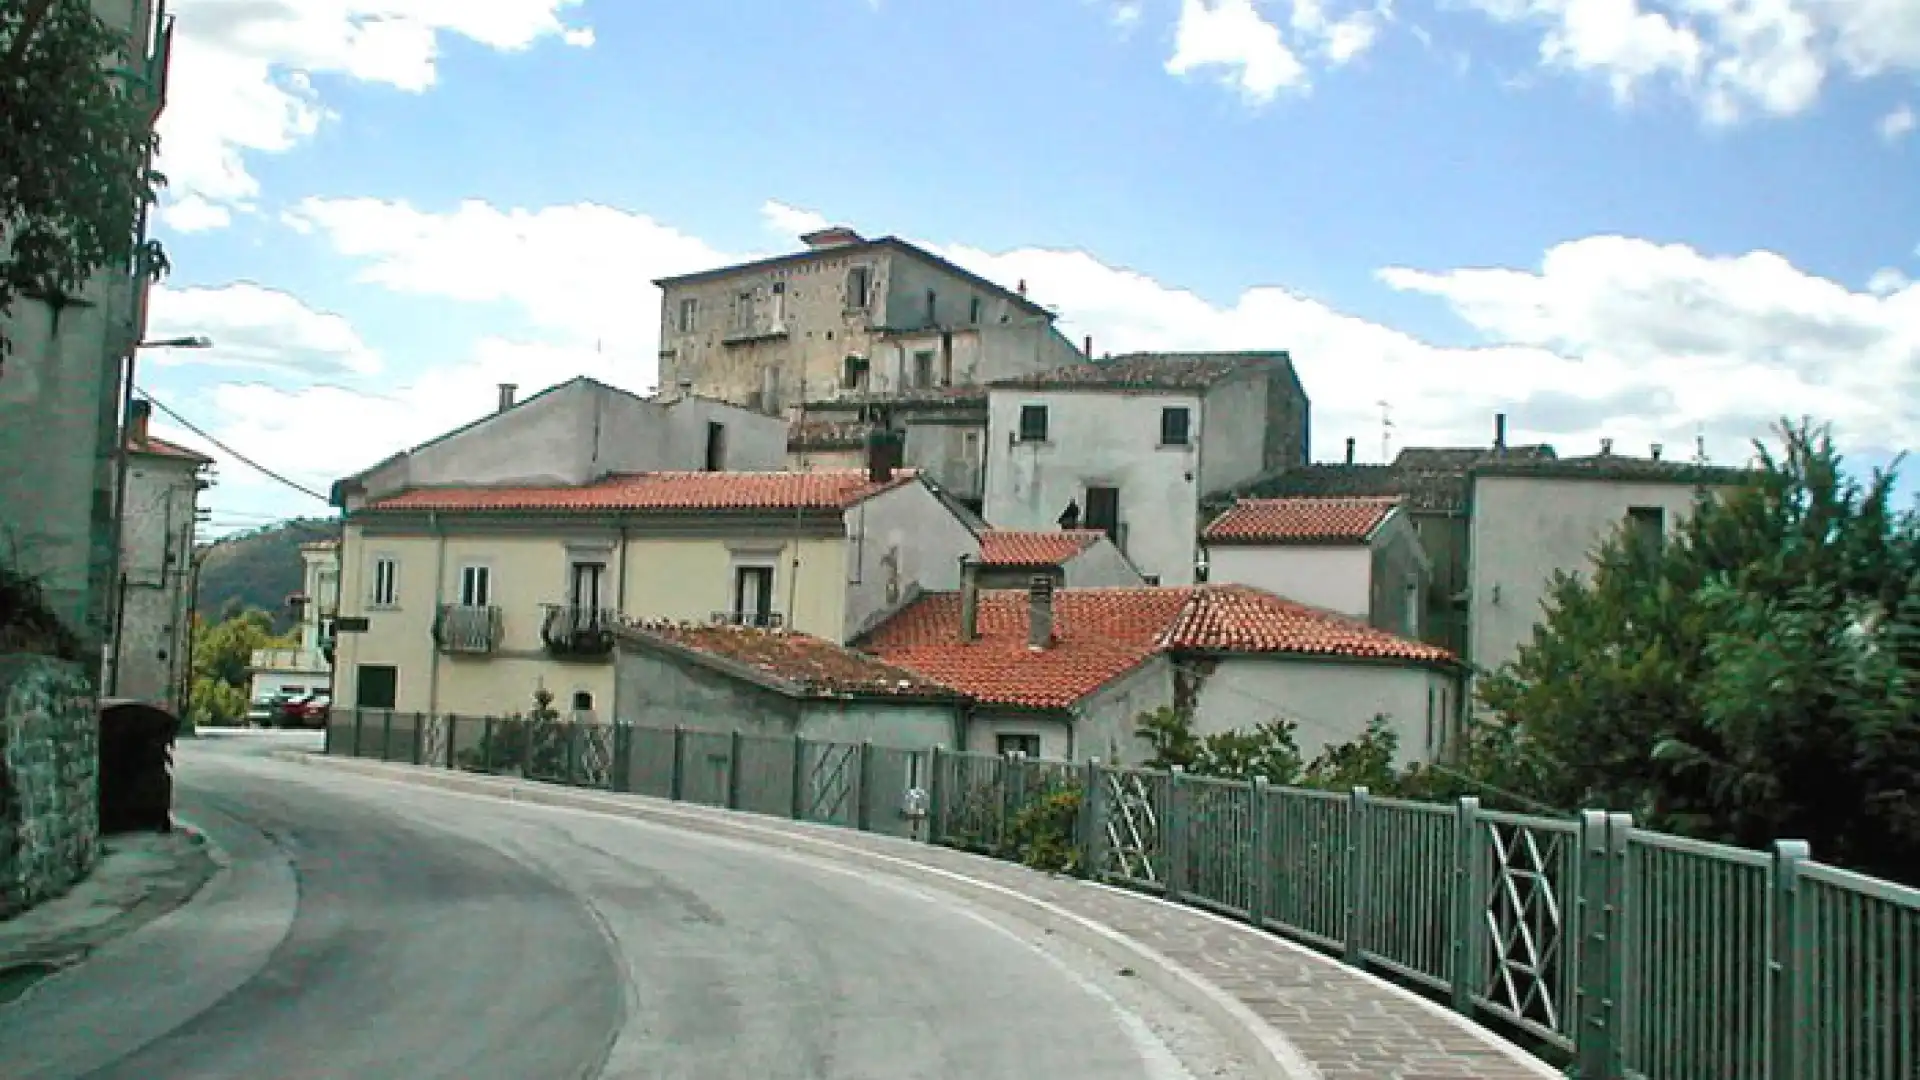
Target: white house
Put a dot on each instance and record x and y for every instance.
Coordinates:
(1359, 556)
(308, 665)
(1533, 518)
(1130, 445)
(146, 654)
(1072, 558)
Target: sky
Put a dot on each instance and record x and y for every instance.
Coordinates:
(1671, 221)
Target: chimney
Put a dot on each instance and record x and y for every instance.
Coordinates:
(1349, 449)
(883, 454)
(137, 423)
(969, 599)
(1039, 612)
(1023, 286)
(1499, 431)
(1606, 447)
(1656, 451)
(1089, 349)
(831, 236)
(506, 395)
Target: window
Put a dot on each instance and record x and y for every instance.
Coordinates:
(1103, 511)
(933, 307)
(386, 582)
(859, 281)
(1006, 743)
(476, 586)
(1173, 425)
(584, 589)
(376, 686)
(716, 446)
(1033, 423)
(582, 701)
(689, 315)
(743, 311)
(753, 595)
(779, 304)
(1647, 525)
(923, 369)
(851, 369)
(973, 310)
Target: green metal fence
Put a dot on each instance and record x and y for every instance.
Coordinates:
(1614, 951)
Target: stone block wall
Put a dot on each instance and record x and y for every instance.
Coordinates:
(49, 785)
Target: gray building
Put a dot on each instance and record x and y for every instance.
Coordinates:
(61, 399)
(147, 652)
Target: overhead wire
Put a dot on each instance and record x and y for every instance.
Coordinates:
(230, 451)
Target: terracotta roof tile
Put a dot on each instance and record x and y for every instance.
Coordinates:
(1350, 520)
(1150, 371)
(1102, 634)
(814, 666)
(163, 448)
(1010, 547)
(1619, 467)
(667, 492)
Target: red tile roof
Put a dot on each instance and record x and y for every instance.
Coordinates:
(163, 448)
(1349, 520)
(1102, 634)
(827, 489)
(813, 666)
(1009, 547)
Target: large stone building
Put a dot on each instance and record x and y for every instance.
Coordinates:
(146, 657)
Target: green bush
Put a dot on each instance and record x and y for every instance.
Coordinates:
(1044, 834)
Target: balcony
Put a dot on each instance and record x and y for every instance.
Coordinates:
(462, 629)
(578, 633)
(764, 620)
(300, 660)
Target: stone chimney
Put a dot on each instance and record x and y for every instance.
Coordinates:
(1023, 287)
(1606, 447)
(1089, 349)
(969, 599)
(142, 412)
(1656, 451)
(883, 454)
(830, 237)
(1039, 613)
(1500, 431)
(506, 395)
(1350, 449)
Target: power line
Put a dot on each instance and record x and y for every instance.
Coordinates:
(230, 451)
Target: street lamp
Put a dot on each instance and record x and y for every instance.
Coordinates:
(195, 341)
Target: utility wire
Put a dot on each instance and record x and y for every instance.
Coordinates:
(230, 451)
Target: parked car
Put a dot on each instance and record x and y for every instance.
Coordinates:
(264, 710)
(309, 710)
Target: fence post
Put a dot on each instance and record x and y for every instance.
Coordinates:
(419, 738)
(622, 778)
(936, 797)
(1603, 848)
(359, 719)
(863, 777)
(453, 734)
(1359, 874)
(1786, 953)
(1009, 773)
(573, 753)
(1092, 821)
(799, 778)
(735, 745)
(1260, 868)
(677, 779)
(386, 737)
(486, 744)
(1173, 833)
(1467, 902)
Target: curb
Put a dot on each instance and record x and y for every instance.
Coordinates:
(1265, 1048)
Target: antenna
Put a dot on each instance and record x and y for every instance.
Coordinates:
(1700, 444)
(1386, 432)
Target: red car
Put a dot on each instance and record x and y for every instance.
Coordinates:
(307, 710)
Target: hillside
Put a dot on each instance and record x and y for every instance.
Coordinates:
(259, 569)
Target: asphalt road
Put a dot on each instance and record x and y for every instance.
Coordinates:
(368, 930)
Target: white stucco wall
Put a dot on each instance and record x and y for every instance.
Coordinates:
(1100, 566)
(1101, 440)
(899, 538)
(1232, 442)
(1335, 577)
(1330, 701)
(146, 661)
(1524, 529)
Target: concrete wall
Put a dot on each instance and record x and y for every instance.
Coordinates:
(1524, 528)
(895, 725)
(1105, 440)
(1110, 717)
(1335, 577)
(950, 451)
(1444, 538)
(49, 754)
(1399, 576)
(902, 537)
(1232, 433)
(146, 660)
(1101, 566)
(1331, 702)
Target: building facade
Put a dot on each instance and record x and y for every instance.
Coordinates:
(308, 666)
(475, 596)
(146, 655)
(1070, 558)
(1132, 445)
(1359, 557)
(61, 397)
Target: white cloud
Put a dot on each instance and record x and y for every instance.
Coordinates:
(1887, 281)
(1231, 36)
(241, 76)
(255, 327)
(1736, 58)
(1898, 124)
(790, 222)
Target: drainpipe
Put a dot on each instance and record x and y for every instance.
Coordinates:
(439, 594)
(120, 457)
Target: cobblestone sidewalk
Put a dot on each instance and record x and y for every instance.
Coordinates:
(1346, 1025)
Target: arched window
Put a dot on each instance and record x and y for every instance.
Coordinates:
(582, 701)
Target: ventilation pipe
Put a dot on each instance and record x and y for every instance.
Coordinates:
(506, 395)
(1499, 431)
(1350, 441)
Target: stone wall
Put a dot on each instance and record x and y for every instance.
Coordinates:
(49, 801)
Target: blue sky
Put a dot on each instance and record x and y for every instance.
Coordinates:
(1600, 218)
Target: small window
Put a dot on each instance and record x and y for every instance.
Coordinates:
(851, 369)
(1033, 423)
(716, 446)
(376, 686)
(1647, 525)
(923, 369)
(859, 282)
(582, 701)
(933, 307)
(753, 596)
(689, 315)
(386, 582)
(743, 311)
(1006, 743)
(1173, 425)
(476, 586)
(973, 310)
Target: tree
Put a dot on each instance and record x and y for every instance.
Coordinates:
(1755, 677)
(223, 664)
(76, 151)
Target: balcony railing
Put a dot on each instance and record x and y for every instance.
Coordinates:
(579, 632)
(765, 620)
(289, 660)
(459, 628)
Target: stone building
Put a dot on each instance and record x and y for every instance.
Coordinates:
(147, 653)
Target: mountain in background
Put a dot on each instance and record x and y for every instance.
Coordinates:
(259, 569)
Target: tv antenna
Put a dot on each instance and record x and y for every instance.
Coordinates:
(1386, 432)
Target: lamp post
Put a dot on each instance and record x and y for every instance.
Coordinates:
(122, 457)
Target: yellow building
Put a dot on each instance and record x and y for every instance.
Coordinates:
(473, 597)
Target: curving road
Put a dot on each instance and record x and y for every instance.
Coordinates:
(368, 930)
